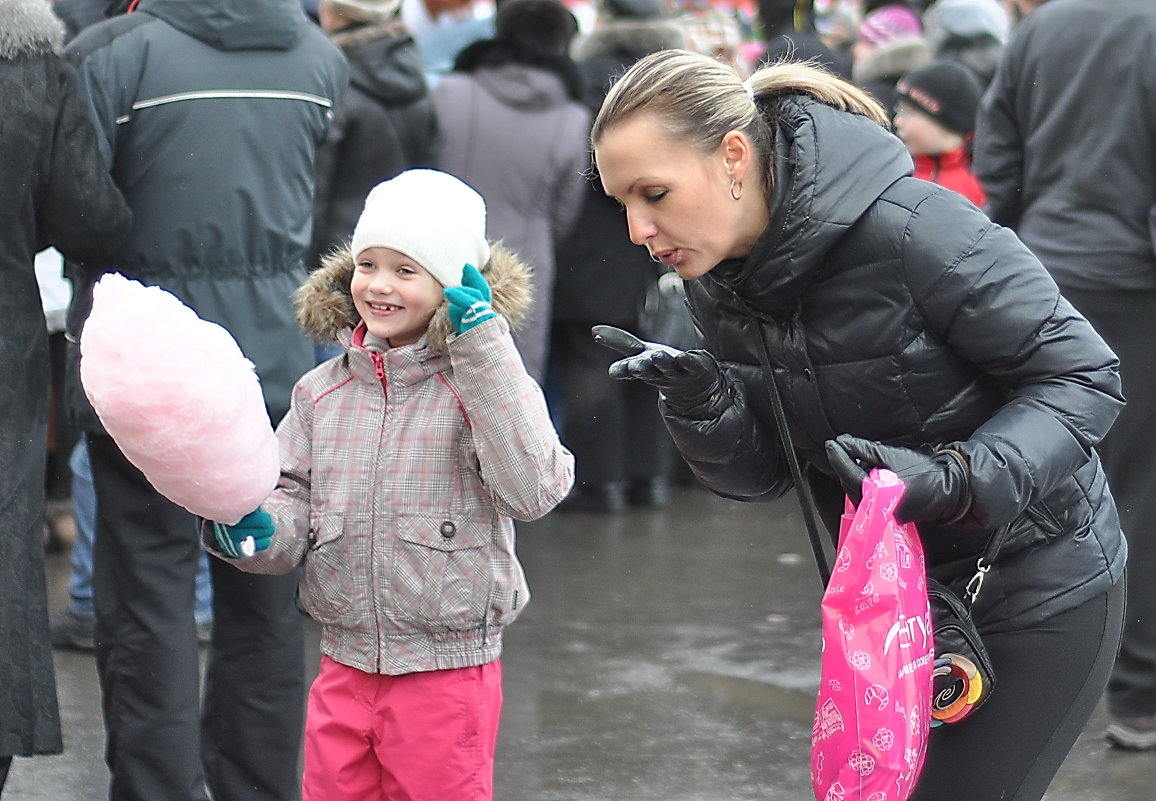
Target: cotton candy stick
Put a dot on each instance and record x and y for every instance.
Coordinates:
(179, 398)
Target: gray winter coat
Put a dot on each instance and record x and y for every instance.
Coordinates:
(516, 133)
(893, 310)
(211, 113)
(1065, 144)
(57, 191)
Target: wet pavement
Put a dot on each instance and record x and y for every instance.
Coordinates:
(668, 655)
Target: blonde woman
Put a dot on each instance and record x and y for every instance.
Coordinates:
(901, 329)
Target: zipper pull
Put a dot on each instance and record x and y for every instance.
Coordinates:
(971, 592)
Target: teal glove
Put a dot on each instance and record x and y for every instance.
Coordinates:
(250, 534)
(470, 302)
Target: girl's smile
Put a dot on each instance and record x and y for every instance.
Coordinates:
(394, 295)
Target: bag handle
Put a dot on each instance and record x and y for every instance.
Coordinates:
(806, 503)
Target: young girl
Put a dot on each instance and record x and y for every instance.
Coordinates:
(402, 463)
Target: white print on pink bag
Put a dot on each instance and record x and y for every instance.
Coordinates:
(872, 714)
(909, 632)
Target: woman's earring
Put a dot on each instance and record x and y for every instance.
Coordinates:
(736, 188)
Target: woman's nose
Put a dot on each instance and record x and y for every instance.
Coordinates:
(641, 229)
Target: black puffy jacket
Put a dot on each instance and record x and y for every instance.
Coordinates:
(893, 309)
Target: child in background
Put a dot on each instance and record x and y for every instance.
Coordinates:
(403, 461)
(935, 118)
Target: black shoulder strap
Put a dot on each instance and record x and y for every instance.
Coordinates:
(806, 503)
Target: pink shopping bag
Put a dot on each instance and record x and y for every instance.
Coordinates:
(873, 711)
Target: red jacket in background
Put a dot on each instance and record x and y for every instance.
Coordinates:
(952, 170)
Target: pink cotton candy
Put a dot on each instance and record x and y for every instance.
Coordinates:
(179, 398)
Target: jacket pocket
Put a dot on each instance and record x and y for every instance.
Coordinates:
(442, 570)
(1064, 513)
(1045, 519)
(329, 592)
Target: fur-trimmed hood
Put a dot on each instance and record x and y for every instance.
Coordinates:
(324, 305)
(28, 28)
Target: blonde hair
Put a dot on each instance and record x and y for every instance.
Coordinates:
(699, 100)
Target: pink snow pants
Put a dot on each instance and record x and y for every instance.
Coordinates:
(416, 737)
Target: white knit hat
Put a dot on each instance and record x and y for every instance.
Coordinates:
(430, 216)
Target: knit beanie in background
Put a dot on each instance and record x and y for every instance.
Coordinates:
(889, 24)
(946, 91)
(430, 216)
(374, 12)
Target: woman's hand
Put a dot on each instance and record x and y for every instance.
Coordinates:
(689, 380)
(937, 487)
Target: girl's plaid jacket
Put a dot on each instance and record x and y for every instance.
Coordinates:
(401, 472)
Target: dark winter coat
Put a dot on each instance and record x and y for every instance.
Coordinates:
(1065, 143)
(893, 309)
(79, 14)
(510, 125)
(385, 124)
(57, 191)
(792, 45)
(602, 275)
(785, 43)
(212, 113)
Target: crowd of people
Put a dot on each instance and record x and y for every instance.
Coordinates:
(439, 199)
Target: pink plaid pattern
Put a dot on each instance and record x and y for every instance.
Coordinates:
(397, 496)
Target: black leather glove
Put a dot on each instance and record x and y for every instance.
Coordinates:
(689, 380)
(937, 485)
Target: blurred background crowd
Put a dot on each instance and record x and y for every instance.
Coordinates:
(443, 83)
